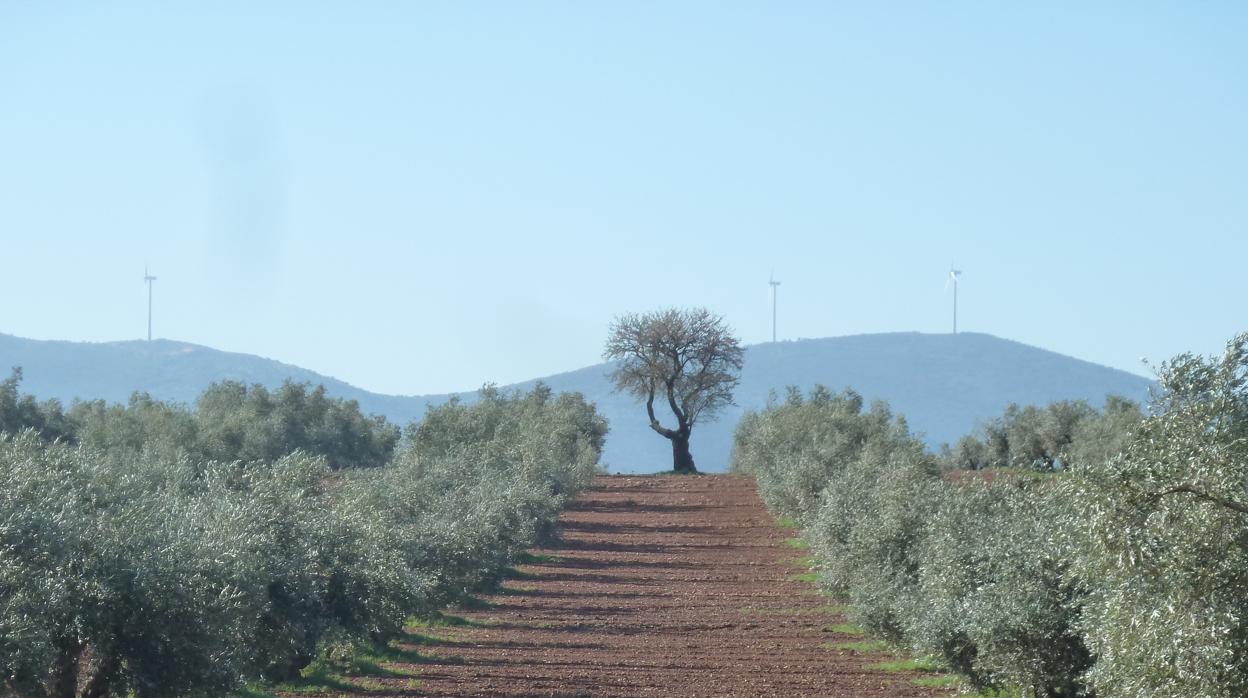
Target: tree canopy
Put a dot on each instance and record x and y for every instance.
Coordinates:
(688, 358)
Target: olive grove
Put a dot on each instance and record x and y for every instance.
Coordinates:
(163, 552)
(1123, 572)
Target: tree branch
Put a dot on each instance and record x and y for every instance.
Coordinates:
(671, 402)
(1201, 494)
(654, 422)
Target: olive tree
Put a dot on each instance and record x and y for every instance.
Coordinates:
(1165, 529)
(19, 412)
(1047, 438)
(145, 572)
(241, 422)
(689, 358)
(974, 572)
(994, 601)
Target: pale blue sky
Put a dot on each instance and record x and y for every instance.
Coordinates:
(422, 197)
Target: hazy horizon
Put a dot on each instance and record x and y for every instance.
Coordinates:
(418, 199)
(572, 369)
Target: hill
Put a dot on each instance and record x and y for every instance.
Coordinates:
(169, 370)
(944, 384)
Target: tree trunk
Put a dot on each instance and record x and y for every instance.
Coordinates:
(287, 669)
(682, 459)
(64, 679)
(105, 666)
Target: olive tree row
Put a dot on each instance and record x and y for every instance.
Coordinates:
(234, 421)
(1124, 575)
(958, 569)
(1047, 438)
(1163, 539)
(137, 573)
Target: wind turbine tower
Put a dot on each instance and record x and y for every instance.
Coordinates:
(774, 285)
(148, 279)
(953, 279)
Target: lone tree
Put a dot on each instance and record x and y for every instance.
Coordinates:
(688, 357)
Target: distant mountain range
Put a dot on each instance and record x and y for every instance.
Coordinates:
(944, 384)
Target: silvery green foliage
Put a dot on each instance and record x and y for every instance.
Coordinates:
(144, 423)
(142, 572)
(39, 548)
(127, 585)
(1046, 438)
(970, 573)
(870, 557)
(869, 514)
(1106, 435)
(553, 437)
(232, 421)
(20, 412)
(796, 447)
(1165, 532)
(994, 599)
(1127, 576)
(238, 422)
(489, 479)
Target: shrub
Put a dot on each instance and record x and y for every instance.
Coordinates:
(994, 600)
(870, 558)
(1165, 539)
(794, 448)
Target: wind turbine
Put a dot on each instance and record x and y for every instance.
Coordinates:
(148, 279)
(953, 279)
(774, 285)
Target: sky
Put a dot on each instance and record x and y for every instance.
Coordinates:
(425, 197)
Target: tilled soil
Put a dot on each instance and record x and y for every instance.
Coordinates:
(671, 586)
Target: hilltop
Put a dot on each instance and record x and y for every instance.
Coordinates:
(944, 384)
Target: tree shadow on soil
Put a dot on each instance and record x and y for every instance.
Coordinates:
(593, 578)
(581, 563)
(630, 506)
(652, 548)
(598, 611)
(605, 595)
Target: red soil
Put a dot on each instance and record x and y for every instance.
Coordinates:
(666, 586)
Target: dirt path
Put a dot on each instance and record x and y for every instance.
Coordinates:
(671, 586)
